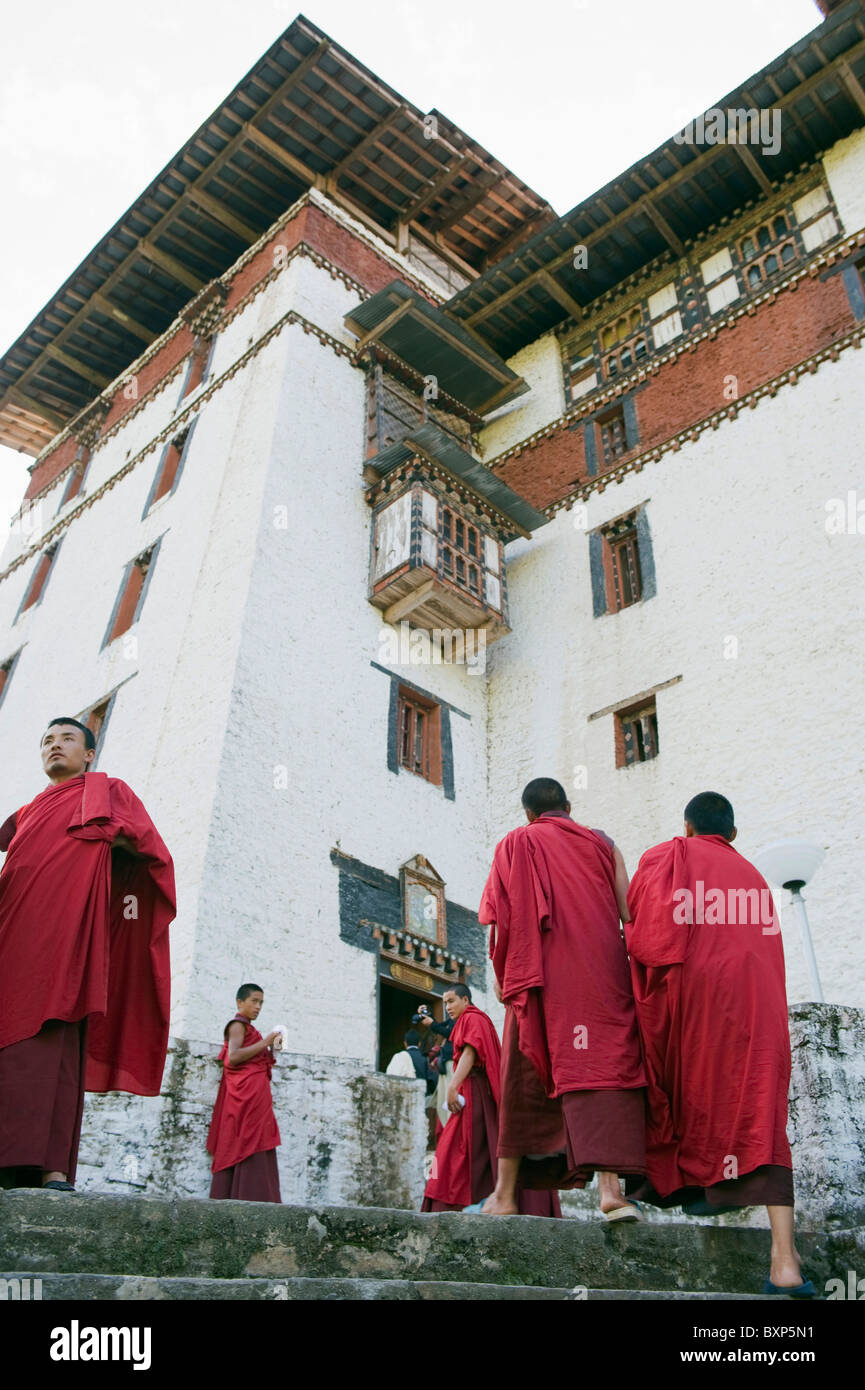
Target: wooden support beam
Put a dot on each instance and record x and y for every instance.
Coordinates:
(80, 368)
(302, 171)
(120, 316)
(34, 407)
(561, 296)
(217, 210)
(753, 167)
(663, 226)
(409, 602)
(170, 265)
(852, 83)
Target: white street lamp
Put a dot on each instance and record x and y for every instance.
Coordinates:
(791, 864)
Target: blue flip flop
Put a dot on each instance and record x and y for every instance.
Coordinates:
(804, 1290)
(477, 1208)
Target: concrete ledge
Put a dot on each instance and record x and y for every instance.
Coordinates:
(133, 1288)
(58, 1233)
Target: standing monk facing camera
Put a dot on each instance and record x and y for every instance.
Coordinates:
(86, 898)
(573, 1084)
(244, 1135)
(708, 969)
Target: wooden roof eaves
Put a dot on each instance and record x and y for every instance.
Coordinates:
(703, 161)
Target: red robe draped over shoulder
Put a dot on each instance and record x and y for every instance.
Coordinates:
(243, 1121)
(84, 933)
(451, 1178)
(559, 957)
(708, 969)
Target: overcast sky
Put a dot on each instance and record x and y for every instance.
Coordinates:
(97, 96)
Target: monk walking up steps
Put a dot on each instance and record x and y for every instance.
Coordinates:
(464, 1166)
(708, 970)
(86, 899)
(244, 1135)
(573, 1084)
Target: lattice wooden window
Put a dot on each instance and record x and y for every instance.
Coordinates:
(461, 551)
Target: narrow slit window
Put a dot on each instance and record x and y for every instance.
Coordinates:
(130, 597)
(36, 587)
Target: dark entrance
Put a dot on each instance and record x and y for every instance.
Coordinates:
(397, 1003)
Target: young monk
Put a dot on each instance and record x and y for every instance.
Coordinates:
(464, 1166)
(708, 970)
(244, 1135)
(572, 1075)
(86, 899)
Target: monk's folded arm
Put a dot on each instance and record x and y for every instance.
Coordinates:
(238, 1055)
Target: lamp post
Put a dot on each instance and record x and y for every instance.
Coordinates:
(791, 864)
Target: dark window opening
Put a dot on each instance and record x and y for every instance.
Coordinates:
(36, 587)
(131, 592)
(636, 735)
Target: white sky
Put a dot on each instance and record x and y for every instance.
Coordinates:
(98, 96)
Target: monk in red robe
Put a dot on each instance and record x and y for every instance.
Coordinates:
(244, 1135)
(573, 1083)
(86, 899)
(708, 970)
(464, 1166)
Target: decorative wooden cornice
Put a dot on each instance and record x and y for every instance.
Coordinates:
(418, 951)
(204, 313)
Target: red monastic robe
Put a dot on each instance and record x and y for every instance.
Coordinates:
(455, 1179)
(712, 1009)
(84, 933)
(559, 957)
(451, 1177)
(243, 1121)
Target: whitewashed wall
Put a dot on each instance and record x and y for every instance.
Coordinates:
(738, 523)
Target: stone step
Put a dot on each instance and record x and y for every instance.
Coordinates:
(60, 1233)
(136, 1288)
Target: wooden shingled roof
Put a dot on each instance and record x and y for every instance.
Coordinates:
(307, 114)
(677, 193)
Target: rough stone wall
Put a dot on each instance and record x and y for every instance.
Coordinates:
(348, 1136)
(826, 1129)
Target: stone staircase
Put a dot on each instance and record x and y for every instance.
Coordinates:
(94, 1247)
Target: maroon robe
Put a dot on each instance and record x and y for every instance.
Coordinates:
(573, 1077)
(464, 1166)
(83, 955)
(244, 1135)
(708, 969)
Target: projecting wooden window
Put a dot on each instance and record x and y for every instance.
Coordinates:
(624, 560)
(636, 735)
(129, 599)
(460, 552)
(36, 587)
(419, 735)
(614, 439)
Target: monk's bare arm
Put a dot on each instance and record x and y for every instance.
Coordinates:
(622, 884)
(237, 1055)
(468, 1057)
